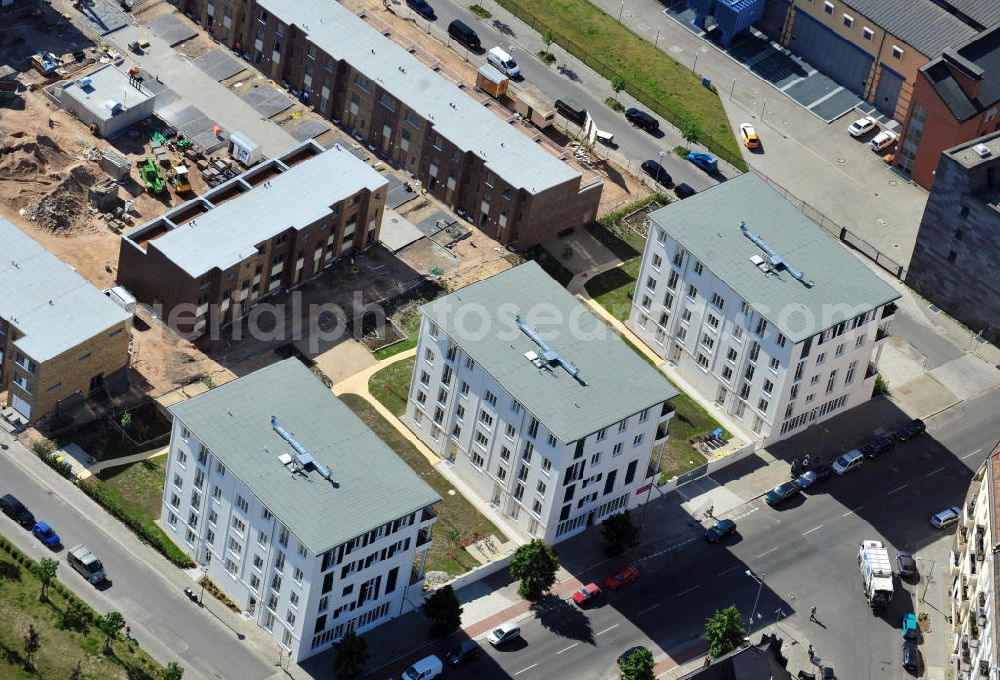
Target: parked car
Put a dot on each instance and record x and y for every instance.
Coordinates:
(87, 564)
(911, 656)
(44, 533)
(504, 633)
(683, 190)
(587, 594)
(620, 578)
(720, 530)
(910, 630)
(657, 172)
(862, 126)
(464, 653)
(749, 136)
(878, 447)
(910, 430)
(503, 62)
(15, 509)
(883, 140)
(907, 565)
(465, 35)
(641, 119)
(629, 653)
(571, 110)
(782, 493)
(810, 477)
(946, 518)
(849, 461)
(425, 669)
(422, 8)
(704, 161)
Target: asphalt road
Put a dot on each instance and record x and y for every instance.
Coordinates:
(556, 81)
(163, 621)
(807, 554)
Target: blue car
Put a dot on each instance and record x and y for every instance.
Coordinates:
(910, 630)
(704, 161)
(44, 533)
(422, 8)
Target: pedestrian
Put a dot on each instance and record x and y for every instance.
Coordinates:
(810, 652)
(812, 614)
(128, 632)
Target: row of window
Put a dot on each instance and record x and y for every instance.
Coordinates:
(867, 33)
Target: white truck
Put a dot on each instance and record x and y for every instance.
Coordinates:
(876, 573)
(86, 562)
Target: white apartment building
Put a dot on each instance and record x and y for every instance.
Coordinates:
(759, 309)
(542, 409)
(975, 575)
(295, 509)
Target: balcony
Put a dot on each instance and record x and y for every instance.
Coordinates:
(423, 537)
(882, 333)
(661, 432)
(871, 371)
(888, 310)
(427, 515)
(667, 409)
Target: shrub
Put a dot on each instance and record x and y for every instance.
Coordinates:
(614, 104)
(217, 593)
(682, 151)
(480, 11)
(547, 57)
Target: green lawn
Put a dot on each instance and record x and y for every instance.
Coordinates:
(458, 520)
(391, 385)
(614, 288)
(669, 89)
(689, 419)
(409, 322)
(60, 648)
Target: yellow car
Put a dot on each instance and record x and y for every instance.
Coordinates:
(749, 135)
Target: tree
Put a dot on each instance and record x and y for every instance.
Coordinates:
(617, 84)
(46, 573)
(548, 37)
(534, 564)
(350, 656)
(32, 644)
(692, 132)
(619, 533)
(724, 631)
(173, 671)
(443, 610)
(110, 624)
(77, 672)
(74, 616)
(637, 666)
(126, 421)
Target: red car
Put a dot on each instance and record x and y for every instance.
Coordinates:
(588, 593)
(622, 577)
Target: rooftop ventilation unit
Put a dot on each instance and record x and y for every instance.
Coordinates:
(549, 355)
(303, 459)
(982, 150)
(774, 259)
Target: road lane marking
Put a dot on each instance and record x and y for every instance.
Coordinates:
(969, 455)
(898, 488)
(603, 631)
(767, 553)
(568, 648)
(689, 590)
(806, 533)
(529, 667)
(851, 512)
(721, 573)
(933, 472)
(649, 609)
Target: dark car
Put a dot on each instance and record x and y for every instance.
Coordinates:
(465, 652)
(571, 110)
(683, 190)
(629, 653)
(46, 534)
(641, 119)
(911, 656)
(878, 447)
(722, 528)
(907, 565)
(422, 8)
(657, 172)
(910, 430)
(817, 474)
(465, 35)
(782, 493)
(14, 509)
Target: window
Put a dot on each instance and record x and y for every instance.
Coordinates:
(761, 327)
(601, 434)
(849, 378)
(646, 302)
(848, 20)
(526, 453)
(464, 388)
(762, 405)
(698, 268)
(637, 440)
(510, 431)
(504, 453)
(781, 340)
(703, 361)
(536, 508)
(258, 562)
(686, 316)
(421, 397)
(617, 450)
(727, 373)
(692, 291)
(469, 363)
(239, 525)
(707, 341)
(424, 378)
(831, 382)
(622, 425)
(820, 358)
(814, 380)
(485, 418)
(651, 283)
(828, 7)
(717, 301)
(477, 459)
(547, 465)
(552, 441)
(235, 546)
(867, 33)
(595, 459)
(533, 427)
(897, 52)
(242, 504)
(859, 342)
(175, 500)
(731, 356)
(672, 281)
(713, 321)
(773, 364)
(261, 538)
(540, 488)
(482, 440)
(293, 598)
(490, 398)
(840, 349)
(657, 261)
(501, 472)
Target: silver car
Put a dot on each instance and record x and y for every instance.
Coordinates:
(946, 518)
(504, 633)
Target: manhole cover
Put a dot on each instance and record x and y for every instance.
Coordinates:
(628, 14)
(841, 160)
(643, 27)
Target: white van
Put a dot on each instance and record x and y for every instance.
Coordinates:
(849, 461)
(503, 62)
(425, 669)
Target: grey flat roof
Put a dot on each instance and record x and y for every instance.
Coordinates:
(107, 86)
(456, 116)
(618, 383)
(47, 300)
(296, 197)
(985, 12)
(370, 484)
(708, 226)
(920, 23)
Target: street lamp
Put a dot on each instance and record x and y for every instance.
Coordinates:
(760, 587)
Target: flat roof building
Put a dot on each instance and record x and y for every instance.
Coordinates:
(107, 100)
(265, 231)
(59, 335)
(302, 515)
(501, 180)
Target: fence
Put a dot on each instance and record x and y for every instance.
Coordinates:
(840, 233)
(652, 100)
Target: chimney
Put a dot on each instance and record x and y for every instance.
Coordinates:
(967, 74)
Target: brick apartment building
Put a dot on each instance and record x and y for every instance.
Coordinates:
(955, 100)
(266, 231)
(463, 153)
(60, 337)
